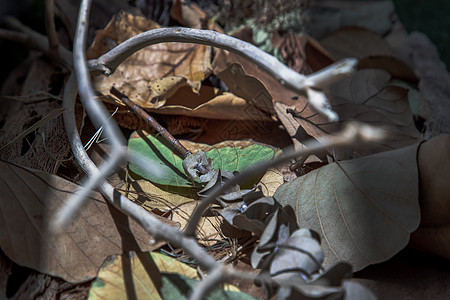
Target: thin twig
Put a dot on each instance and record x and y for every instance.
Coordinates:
(350, 134)
(296, 82)
(50, 25)
(99, 117)
(209, 283)
(152, 122)
(39, 42)
(148, 221)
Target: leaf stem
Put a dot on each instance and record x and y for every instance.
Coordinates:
(158, 127)
(152, 122)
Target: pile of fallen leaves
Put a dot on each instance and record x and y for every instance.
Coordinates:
(353, 207)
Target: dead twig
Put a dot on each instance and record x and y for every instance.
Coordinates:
(296, 82)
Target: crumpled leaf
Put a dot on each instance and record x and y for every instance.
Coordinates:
(364, 209)
(279, 226)
(301, 52)
(132, 77)
(28, 202)
(247, 209)
(231, 156)
(215, 179)
(210, 104)
(364, 96)
(193, 162)
(299, 253)
(123, 275)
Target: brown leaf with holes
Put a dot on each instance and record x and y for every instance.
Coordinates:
(28, 202)
(132, 77)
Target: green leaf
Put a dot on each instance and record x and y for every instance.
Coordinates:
(230, 156)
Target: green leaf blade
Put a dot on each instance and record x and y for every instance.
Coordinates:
(237, 157)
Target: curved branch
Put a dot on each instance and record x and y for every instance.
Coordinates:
(296, 82)
(149, 222)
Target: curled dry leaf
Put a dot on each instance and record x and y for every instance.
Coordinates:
(364, 209)
(134, 75)
(28, 202)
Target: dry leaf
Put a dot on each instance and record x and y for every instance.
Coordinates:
(394, 66)
(29, 200)
(366, 97)
(271, 181)
(206, 105)
(355, 42)
(329, 16)
(132, 77)
(133, 276)
(364, 209)
(433, 234)
(301, 52)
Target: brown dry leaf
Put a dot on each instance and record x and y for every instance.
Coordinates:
(301, 52)
(271, 181)
(29, 200)
(132, 77)
(365, 96)
(397, 68)
(433, 234)
(355, 42)
(249, 88)
(208, 104)
(189, 14)
(179, 203)
(364, 209)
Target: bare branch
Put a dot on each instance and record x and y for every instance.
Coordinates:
(350, 134)
(99, 117)
(296, 82)
(50, 24)
(39, 42)
(211, 281)
(148, 221)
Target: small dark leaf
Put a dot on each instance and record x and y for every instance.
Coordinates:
(299, 252)
(191, 162)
